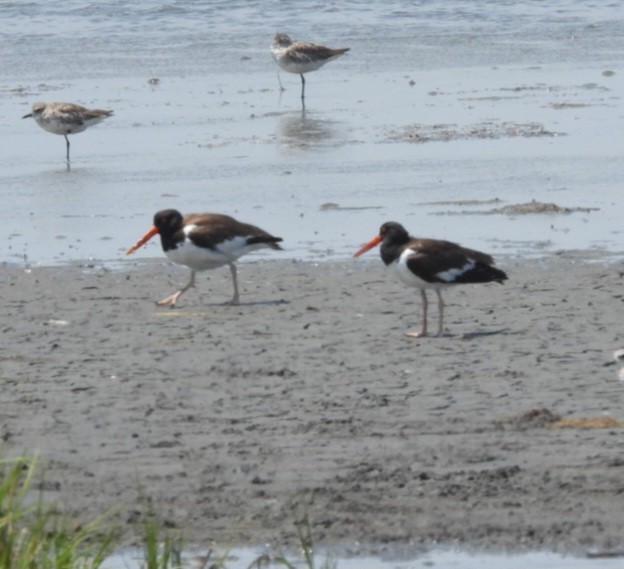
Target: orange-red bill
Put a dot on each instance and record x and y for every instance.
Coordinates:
(372, 243)
(148, 235)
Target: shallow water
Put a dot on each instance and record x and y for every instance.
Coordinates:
(440, 559)
(216, 135)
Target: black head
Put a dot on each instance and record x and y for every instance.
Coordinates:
(393, 233)
(168, 220)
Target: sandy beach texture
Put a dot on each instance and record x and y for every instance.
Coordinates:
(308, 396)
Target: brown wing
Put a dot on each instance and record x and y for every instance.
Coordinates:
(449, 250)
(96, 113)
(68, 108)
(213, 228)
(437, 261)
(305, 52)
(70, 113)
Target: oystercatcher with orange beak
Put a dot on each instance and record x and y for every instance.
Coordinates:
(431, 264)
(203, 241)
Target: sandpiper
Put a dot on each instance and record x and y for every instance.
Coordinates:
(431, 264)
(65, 118)
(618, 356)
(301, 57)
(203, 241)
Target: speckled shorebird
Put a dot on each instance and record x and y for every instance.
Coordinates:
(65, 118)
(431, 264)
(618, 356)
(301, 56)
(203, 241)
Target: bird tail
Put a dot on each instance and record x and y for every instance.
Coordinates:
(482, 273)
(268, 240)
(499, 276)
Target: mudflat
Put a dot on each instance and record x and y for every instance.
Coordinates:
(504, 434)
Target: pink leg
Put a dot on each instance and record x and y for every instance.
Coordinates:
(440, 313)
(425, 304)
(235, 299)
(172, 298)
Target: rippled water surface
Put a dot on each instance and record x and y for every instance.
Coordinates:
(527, 96)
(438, 559)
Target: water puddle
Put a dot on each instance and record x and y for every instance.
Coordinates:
(243, 558)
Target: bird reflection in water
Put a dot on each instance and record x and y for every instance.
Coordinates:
(301, 130)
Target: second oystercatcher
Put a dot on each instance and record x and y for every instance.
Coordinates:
(431, 264)
(65, 118)
(203, 241)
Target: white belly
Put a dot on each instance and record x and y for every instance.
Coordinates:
(291, 66)
(405, 275)
(202, 259)
(58, 126)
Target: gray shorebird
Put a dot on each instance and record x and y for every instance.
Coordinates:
(65, 118)
(301, 56)
(618, 356)
(431, 264)
(203, 241)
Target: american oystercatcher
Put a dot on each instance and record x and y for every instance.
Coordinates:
(65, 118)
(301, 57)
(431, 263)
(203, 241)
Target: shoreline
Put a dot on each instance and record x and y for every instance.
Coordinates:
(308, 396)
(122, 262)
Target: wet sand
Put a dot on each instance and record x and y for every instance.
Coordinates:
(233, 144)
(309, 397)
